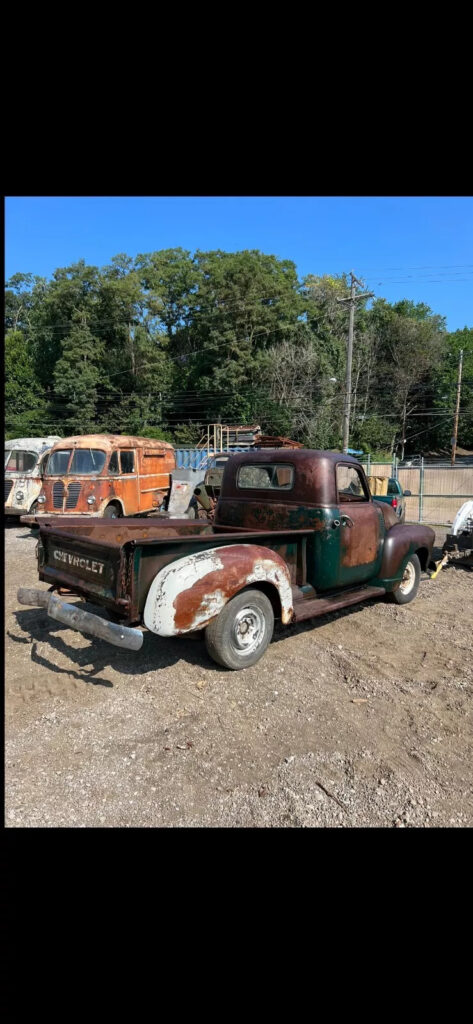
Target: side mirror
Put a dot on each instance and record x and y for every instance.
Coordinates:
(407, 494)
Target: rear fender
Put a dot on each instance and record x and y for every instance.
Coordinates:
(189, 593)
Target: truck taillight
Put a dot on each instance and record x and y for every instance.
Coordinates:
(394, 503)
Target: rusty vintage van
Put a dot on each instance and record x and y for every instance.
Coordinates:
(107, 475)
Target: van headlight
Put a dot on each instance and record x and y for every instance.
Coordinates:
(91, 500)
(42, 498)
(19, 496)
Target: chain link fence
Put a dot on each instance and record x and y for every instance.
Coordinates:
(437, 491)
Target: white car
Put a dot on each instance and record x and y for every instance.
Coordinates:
(25, 458)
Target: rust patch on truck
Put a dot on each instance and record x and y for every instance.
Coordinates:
(237, 564)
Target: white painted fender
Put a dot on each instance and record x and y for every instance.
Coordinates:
(31, 488)
(464, 514)
(191, 591)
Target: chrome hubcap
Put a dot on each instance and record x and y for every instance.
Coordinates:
(408, 578)
(247, 630)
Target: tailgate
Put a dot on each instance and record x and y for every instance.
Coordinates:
(85, 565)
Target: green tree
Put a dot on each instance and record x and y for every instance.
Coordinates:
(445, 389)
(25, 408)
(77, 375)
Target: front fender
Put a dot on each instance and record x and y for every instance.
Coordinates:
(109, 500)
(191, 591)
(400, 542)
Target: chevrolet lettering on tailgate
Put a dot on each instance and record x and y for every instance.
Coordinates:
(76, 560)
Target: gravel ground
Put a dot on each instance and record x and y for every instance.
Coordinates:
(361, 718)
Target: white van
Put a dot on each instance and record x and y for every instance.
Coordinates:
(25, 458)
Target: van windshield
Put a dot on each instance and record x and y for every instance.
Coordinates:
(84, 460)
(18, 461)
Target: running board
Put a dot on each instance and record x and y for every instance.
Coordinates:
(304, 609)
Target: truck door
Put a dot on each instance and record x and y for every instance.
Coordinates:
(361, 527)
(123, 470)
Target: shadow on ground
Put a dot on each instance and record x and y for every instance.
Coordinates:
(156, 653)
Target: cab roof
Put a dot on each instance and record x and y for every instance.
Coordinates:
(32, 444)
(108, 442)
(314, 477)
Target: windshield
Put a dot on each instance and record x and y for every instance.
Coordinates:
(58, 462)
(19, 461)
(84, 460)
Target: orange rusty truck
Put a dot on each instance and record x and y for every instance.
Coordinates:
(109, 475)
(296, 534)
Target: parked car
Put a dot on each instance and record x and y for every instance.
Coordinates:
(297, 534)
(25, 458)
(395, 497)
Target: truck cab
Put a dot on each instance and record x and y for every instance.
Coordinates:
(326, 492)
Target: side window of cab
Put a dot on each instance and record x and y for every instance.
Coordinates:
(350, 485)
(127, 461)
(122, 462)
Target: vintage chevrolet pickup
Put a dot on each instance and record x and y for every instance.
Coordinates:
(297, 534)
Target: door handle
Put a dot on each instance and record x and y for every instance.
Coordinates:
(347, 521)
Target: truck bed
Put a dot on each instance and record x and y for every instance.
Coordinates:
(113, 562)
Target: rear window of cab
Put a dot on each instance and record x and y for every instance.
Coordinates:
(273, 476)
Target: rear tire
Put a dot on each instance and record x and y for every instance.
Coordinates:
(409, 585)
(240, 634)
(112, 512)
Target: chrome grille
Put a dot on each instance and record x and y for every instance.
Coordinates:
(72, 495)
(8, 487)
(58, 494)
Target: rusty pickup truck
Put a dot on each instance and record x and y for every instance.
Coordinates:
(296, 534)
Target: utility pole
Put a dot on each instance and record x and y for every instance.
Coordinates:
(351, 300)
(457, 410)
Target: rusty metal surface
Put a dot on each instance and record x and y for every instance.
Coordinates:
(140, 491)
(267, 441)
(307, 609)
(85, 622)
(116, 532)
(360, 543)
(193, 590)
(109, 442)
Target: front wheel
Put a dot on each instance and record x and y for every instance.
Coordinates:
(112, 512)
(240, 634)
(409, 585)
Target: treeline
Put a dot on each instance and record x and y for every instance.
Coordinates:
(165, 343)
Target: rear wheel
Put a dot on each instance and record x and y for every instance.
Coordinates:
(409, 585)
(112, 512)
(240, 634)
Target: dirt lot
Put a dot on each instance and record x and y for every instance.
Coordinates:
(362, 718)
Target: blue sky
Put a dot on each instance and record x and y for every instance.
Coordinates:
(419, 248)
